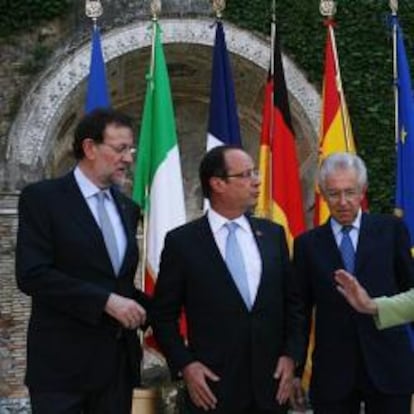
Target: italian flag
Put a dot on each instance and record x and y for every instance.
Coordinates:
(158, 185)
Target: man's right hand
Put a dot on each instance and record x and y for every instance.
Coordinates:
(195, 375)
(126, 311)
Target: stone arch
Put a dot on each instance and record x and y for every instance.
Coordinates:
(32, 135)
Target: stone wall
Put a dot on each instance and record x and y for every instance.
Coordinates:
(23, 58)
(14, 306)
(24, 55)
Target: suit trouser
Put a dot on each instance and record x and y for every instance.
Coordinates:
(375, 401)
(114, 398)
(374, 404)
(188, 408)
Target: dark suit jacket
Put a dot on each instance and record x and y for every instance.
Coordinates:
(344, 337)
(239, 345)
(62, 263)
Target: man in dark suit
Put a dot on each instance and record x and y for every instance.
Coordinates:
(244, 321)
(76, 257)
(352, 360)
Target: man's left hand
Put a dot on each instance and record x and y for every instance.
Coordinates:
(284, 373)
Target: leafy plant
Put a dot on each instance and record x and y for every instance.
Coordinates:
(364, 44)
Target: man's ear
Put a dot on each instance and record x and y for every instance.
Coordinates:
(217, 184)
(89, 148)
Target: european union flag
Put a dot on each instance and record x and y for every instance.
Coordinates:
(404, 198)
(97, 94)
(223, 123)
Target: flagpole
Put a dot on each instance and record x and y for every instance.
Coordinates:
(144, 400)
(328, 9)
(218, 7)
(155, 9)
(93, 10)
(394, 10)
(269, 213)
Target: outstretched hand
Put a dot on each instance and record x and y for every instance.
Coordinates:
(354, 293)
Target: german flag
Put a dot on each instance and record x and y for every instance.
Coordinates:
(280, 196)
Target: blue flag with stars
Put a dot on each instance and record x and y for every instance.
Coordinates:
(404, 197)
(97, 95)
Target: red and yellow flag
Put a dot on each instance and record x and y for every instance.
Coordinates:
(280, 196)
(335, 136)
(335, 132)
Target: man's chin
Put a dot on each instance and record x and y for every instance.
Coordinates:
(119, 179)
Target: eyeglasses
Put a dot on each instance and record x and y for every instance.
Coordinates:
(121, 149)
(348, 195)
(251, 174)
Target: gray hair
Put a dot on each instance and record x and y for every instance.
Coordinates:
(342, 161)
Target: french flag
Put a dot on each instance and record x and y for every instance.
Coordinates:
(223, 124)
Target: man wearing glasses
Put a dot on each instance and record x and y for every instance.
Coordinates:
(76, 257)
(231, 274)
(353, 362)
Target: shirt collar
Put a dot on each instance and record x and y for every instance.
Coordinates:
(337, 227)
(86, 186)
(217, 221)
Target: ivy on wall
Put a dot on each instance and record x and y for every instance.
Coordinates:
(364, 46)
(16, 15)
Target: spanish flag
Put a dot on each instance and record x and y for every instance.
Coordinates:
(280, 197)
(335, 132)
(335, 136)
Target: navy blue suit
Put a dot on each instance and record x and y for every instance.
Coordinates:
(242, 347)
(63, 264)
(345, 339)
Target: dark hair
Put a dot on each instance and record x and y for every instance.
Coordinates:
(213, 164)
(93, 125)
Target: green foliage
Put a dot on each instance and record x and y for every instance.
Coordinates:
(36, 61)
(364, 46)
(16, 15)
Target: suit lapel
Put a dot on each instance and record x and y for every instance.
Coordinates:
(210, 247)
(366, 242)
(328, 247)
(80, 212)
(263, 244)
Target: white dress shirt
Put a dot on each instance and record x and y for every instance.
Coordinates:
(89, 191)
(247, 243)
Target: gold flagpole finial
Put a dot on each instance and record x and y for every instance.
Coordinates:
(93, 9)
(327, 8)
(155, 9)
(218, 7)
(394, 6)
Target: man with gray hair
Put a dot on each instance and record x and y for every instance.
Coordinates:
(353, 362)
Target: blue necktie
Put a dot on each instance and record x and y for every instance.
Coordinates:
(347, 250)
(108, 232)
(235, 263)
